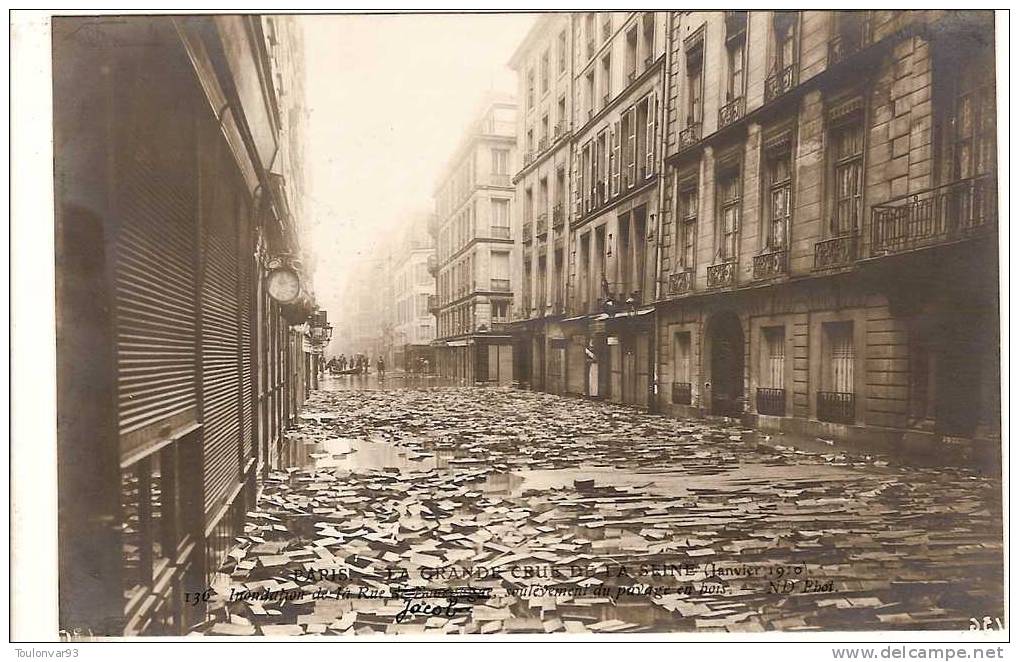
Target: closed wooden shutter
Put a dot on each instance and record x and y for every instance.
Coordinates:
(221, 340)
(154, 273)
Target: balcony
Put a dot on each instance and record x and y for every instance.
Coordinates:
(851, 36)
(560, 130)
(835, 407)
(500, 284)
(731, 112)
(771, 401)
(631, 76)
(940, 215)
(722, 274)
(541, 225)
(769, 265)
(648, 61)
(681, 393)
(528, 232)
(605, 100)
(528, 157)
(590, 48)
(499, 179)
(542, 144)
(558, 216)
(500, 232)
(690, 136)
(606, 31)
(779, 83)
(433, 303)
(680, 282)
(836, 252)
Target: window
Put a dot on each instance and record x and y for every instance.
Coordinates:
(530, 89)
(560, 187)
(561, 54)
(729, 212)
(778, 210)
(422, 305)
(543, 195)
(974, 135)
(847, 143)
(500, 161)
(773, 357)
(530, 140)
(546, 67)
(606, 77)
(687, 224)
(841, 357)
(631, 55)
(694, 84)
(681, 364)
(589, 33)
(544, 130)
(615, 156)
(734, 88)
(601, 171)
(649, 38)
(561, 116)
(606, 26)
(784, 34)
(590, 94)
(528, 205)
(584, 175)
(630, 146)
(645, 124)
(500, 219)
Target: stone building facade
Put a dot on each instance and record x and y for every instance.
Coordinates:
(824, 261)
(545, 73)
(476, 255)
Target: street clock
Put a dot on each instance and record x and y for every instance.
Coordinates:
(284, 285)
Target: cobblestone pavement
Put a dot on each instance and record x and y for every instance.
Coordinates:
(415, 509)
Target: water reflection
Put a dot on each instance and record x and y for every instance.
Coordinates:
(374, 382)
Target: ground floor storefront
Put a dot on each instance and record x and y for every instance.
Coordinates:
(474, 359)
(850, 361)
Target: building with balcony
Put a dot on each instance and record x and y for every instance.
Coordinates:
(828, 254)
(618, 84)
(475, 252)
(412, 286)
(544, 69)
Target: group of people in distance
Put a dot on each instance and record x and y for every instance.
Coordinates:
(359, 364)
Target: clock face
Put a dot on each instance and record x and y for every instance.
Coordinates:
(284, 285)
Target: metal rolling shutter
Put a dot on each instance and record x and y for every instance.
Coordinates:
(154, 278)
(246, 321)
(220, 333)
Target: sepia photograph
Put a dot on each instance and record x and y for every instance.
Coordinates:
(530, 325)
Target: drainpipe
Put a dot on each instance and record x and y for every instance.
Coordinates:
(662, 183)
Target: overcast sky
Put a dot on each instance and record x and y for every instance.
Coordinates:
(389, 98)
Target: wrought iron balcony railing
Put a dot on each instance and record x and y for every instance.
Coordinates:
(771, 401)
(680, 282)
(770, 264)
(560, 130)
(836, 407)
(542, 144)
(500, 232)
(433, 303)
(541, 224)
(836, 252)
(780, 82)
(722, 274)
(690, 136)
(558, 216)
(731, 112)
(681, 393)
(648, 61)
(959, 210)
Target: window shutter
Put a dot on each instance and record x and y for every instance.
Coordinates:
(631, 147)
(617, 160)
(649, 159)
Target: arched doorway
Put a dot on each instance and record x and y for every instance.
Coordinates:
(725, 355)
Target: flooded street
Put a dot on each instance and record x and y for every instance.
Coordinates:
(410, 506)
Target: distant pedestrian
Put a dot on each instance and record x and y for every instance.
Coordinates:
(380, 365)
